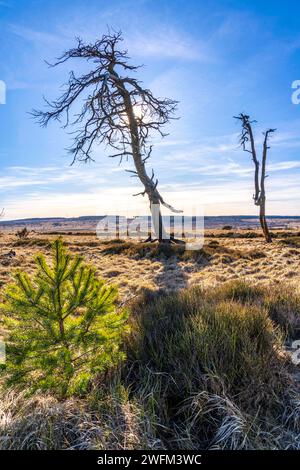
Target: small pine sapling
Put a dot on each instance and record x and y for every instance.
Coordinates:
(62, 325)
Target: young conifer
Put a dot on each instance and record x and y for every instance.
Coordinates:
(62, 325)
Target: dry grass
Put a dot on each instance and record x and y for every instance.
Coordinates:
(44, 423)
(292, 241)
(206, 366)
(136, 266)
(205, 369)
(282, 305)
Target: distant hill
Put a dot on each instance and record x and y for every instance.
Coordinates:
(41, 220)
(88, 222)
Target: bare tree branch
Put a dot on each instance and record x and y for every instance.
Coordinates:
(247, 138)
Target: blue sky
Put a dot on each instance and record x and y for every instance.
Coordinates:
(218, 58)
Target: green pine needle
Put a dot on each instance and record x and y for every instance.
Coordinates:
(63, 327)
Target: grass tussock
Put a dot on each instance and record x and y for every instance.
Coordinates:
(204, 370)
(167, 250)
(210, 369)
(284, 309)
(24, 242)
(248, 234)
(41, 423)
(282, 304)
(291, 241)
(44, 423)
(230, 234)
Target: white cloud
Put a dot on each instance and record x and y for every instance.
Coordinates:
(286, 165)
(207, 148)
(20, 176)
(34, 36)
(218, 198)
(62, 204)
(166, 43)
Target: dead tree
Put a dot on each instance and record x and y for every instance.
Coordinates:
(117, 112)
(248, 144)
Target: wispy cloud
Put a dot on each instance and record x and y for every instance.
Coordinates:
(210, 69)
(217, 197)
(72, 204)
(167, 43)
(286, 165)
(214, 146)
(34, 36)
(230, 168)
(20, 176)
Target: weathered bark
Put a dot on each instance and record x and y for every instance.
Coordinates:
(262, 199)
(150, 186)
(155, 199)
(263, 220)
(255, 161)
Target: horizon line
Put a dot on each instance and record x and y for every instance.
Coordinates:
(2, 222)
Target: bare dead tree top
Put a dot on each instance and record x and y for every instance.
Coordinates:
(102, 118)
(247, 133)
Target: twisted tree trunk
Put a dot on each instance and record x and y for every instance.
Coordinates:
(262, 198)
(263, 221)
(150, 186)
